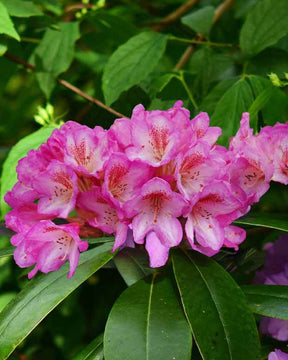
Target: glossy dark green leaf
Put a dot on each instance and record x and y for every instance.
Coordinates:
(42, 295)
(272, 221)
(268, 300)
(20, 8)
(6, 24)
(266, 23)
(147, 322)
(222, 324)
(9, 175)
(131, 63)
(94, 351)
(200, 20)
(229, 109)
(132, 265)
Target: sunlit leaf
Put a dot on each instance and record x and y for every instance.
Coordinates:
(6, 24)
(9, 175)
(131, 63)
(266, 23)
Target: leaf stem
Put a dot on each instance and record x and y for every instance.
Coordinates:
(194, 41)
(191, 97)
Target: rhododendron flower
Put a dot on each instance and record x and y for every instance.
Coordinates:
(57, 189)
(197, 168)
(138, 181)
(275, 143)
(50, 245)
(104, 216)
(86, 149)
(215, 209)
(124, 178)
(157, 136)
(250, 168)
(156, 209)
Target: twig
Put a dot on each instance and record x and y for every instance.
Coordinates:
(175, 15)
(190, 49)
(184, 58)
(76, 7)
(67, 85)
(19, 61)
(221, 9)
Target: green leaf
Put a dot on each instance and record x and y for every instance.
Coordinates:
(101, 240)
(94, 351)
(9, 175)
(5, 298)
(46, 82)
(222, 324)
(266, 23)
(55, 54)
(6, 24)
(200, 20)
(131, 63)
(7, 252)
(276, 108)
(52, 5)
(258, 104)
(132, 265)
(211, 100)
(20, 8)
(147, 322)
(159, 83)
(268, 300)
(208, 67)
(272, 221)
(42, 295)
(229, 109)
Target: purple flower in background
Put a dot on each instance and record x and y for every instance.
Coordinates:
(278, 355)
(275, 272)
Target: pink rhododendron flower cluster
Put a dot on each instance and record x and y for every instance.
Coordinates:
(154, 179)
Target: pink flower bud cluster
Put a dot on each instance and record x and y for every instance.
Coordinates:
(154, 179)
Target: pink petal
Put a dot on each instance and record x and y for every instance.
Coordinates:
(234, 236)
(158, 253)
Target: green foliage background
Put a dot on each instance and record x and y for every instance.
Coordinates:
(214, 55)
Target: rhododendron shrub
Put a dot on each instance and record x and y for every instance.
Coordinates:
(143, 185)
(159, 175)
